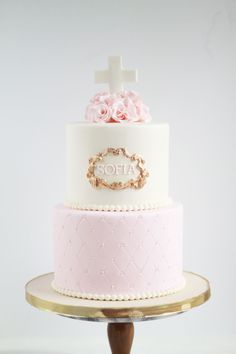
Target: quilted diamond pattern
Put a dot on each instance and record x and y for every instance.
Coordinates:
(118, 252)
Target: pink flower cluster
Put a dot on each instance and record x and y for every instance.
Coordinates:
(121, 107)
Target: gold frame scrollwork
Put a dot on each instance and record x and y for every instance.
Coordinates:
(98, 182)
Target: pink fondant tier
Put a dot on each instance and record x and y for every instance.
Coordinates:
(118, 255)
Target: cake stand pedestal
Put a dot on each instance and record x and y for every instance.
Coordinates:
(120, 315)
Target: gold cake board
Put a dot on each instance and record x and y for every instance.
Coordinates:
(119, 314)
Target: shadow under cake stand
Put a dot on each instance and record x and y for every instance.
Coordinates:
(120, 315)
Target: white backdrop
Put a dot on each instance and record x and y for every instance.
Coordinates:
(185, 51)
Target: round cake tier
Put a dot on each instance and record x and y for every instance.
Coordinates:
(118, 255)
(117, 166)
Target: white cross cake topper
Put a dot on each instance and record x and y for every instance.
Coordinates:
(115, 76)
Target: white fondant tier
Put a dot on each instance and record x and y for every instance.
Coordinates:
(117, 166)
(118, 255)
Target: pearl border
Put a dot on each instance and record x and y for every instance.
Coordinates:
(124, 207)
(120, 297)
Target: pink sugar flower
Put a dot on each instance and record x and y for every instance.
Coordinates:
(119, 112)
(97, 113)
(120, 107)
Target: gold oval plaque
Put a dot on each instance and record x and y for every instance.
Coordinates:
(116, 169)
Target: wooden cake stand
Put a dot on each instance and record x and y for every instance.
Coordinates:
(120, 315)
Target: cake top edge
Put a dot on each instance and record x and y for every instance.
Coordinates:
(116, 105)
(118, 126)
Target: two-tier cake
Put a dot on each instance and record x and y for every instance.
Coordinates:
(118, 236)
